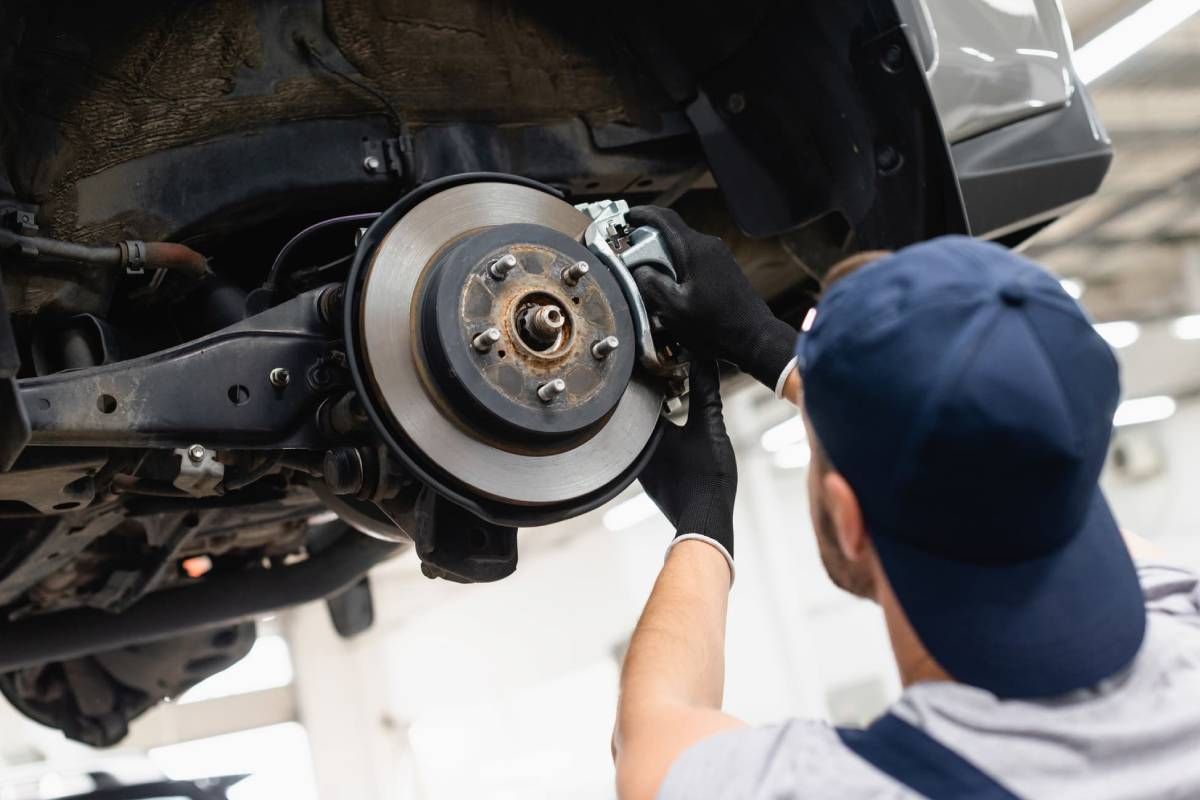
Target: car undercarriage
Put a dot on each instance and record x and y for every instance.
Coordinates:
(290, 288)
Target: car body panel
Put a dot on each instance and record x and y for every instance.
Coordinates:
(991, 63)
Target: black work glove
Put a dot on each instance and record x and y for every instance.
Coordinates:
(692, 476)
(713, 310)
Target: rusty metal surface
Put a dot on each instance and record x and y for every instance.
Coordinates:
(521, 369)
(87, 88)
(387, 317)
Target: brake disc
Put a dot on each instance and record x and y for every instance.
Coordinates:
(500, 349)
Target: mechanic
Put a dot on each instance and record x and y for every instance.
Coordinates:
(959, 407)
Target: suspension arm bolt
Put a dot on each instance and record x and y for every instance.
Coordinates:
(280, 377)
(602, 348)
(574, 273)
(196, 453)
(548, 391)
(484, 341)
(503, 265)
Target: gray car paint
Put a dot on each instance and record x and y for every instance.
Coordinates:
(991, 63)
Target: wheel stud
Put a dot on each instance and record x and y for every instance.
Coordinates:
(552, 389)
(602, 348)
(574, 273)
(484, 341)
(503, 265)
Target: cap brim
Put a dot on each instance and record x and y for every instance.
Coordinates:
(1037, 628)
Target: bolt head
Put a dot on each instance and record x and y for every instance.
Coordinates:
(196, 453)
(372, 163)
(280, 377)
(736, 103)
(893, 58)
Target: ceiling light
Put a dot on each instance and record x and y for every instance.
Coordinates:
(625, 515)
(1186, 327)
(794, 456)
(1072, 287)
(1130, 35)
(1144, 409)
(784, 434)
(982, 56)
(1031, 51)
(1119, 334)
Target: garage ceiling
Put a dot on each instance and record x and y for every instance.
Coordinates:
(1136, 245)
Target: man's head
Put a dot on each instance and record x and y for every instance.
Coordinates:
(959, 405)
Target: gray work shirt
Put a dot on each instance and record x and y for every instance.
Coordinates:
(1136, 735)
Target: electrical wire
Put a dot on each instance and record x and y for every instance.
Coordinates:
(273, 275)
(310, 47)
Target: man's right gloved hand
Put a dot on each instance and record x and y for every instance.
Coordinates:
(713, 309)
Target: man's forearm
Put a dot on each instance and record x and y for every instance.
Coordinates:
(674, 671)
(677, 650)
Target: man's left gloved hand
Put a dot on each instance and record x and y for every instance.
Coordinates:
(692, 477)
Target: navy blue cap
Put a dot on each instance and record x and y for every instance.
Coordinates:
(968, 401)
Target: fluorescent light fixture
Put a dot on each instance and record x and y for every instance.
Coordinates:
(785, 434)
(1072, 287)
(1144, 409)
(982, 56)
(1119, 334)
(1130, 35)
(794, 456)
(1186, 327)
(625, 515)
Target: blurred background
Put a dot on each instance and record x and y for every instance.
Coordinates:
(518, 679)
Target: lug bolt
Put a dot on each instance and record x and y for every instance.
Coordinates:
(196, 453)
(484, 341)
(574, 273)
(503, 265)
(372, 163)
(548, 391)
(280, 377)
(602, 348)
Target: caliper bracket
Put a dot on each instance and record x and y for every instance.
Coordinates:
(624, 250)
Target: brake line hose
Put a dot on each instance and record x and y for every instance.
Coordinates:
(131, 254)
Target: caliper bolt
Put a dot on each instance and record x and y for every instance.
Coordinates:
(503, 265)
(602, 348)
(484, 341)
(280, 377)
(548, 391)
(196, 453)
(574, 273)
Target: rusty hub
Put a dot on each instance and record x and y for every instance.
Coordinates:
(540, 380)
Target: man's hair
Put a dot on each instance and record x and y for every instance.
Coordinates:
(851, 264)
(847, 266)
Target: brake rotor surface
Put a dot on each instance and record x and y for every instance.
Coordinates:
(507, 466)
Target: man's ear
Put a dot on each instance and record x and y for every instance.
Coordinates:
(846, 513)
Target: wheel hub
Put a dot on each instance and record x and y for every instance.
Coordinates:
(497, 348)
(511, 348)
